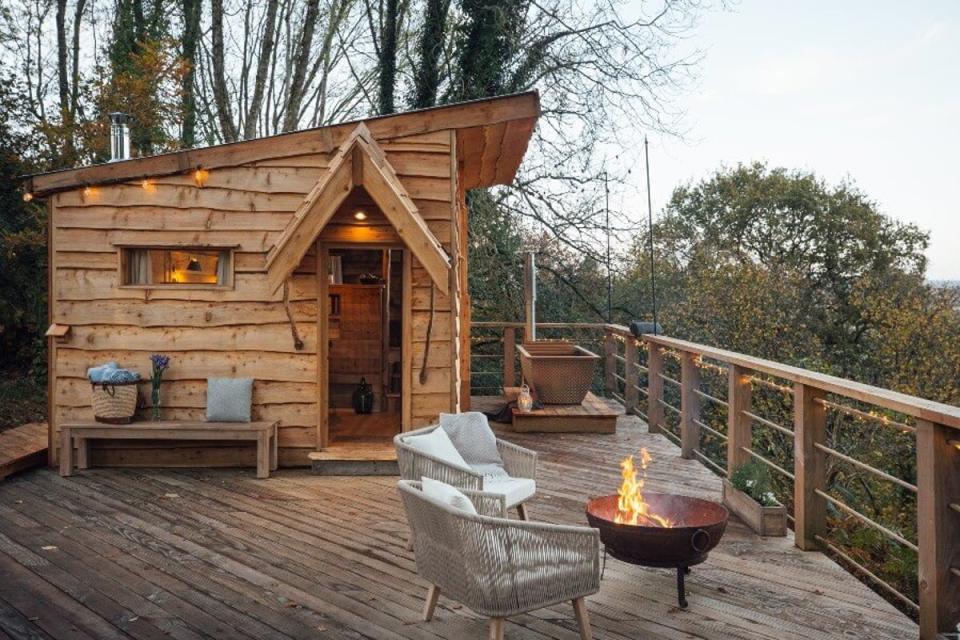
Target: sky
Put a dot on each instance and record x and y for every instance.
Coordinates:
(851, 90)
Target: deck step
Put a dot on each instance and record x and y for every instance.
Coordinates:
(22, 448)
(355, 460)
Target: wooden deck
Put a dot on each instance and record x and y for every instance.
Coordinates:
(119, 553)
(22, 448)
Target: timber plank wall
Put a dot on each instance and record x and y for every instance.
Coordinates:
(241, 332)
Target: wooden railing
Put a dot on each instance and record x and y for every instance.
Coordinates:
(797, 423)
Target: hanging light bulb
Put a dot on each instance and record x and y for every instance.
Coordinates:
(360, 215)
(27, 196)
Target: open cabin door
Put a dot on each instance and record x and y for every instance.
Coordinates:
(363, 313)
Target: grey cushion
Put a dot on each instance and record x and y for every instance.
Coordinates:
(472, 437)
(229, 399)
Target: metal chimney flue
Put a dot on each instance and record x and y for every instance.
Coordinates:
(119, 136)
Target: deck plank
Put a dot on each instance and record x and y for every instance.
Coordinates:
(216, 553)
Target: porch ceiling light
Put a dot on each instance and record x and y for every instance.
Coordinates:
(360, 215)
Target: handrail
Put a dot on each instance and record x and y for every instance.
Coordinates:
(894, 400)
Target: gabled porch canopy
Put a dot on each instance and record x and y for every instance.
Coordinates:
(359, 162)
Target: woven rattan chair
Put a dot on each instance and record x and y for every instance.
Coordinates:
(518, 462)
(499, 567)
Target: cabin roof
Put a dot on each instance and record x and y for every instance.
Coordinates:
(359, 162)
(493, 134)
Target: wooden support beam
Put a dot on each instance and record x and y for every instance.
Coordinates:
(655, 387)
(509, 355)
(810, 429)
(689, 406)
(739, 428)
(630, 393)
(938, 528)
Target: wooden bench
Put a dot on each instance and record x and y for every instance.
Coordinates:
(263, 433)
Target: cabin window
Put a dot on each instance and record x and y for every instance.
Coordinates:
(149, 267)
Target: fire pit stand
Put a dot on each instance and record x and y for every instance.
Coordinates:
(697, 528)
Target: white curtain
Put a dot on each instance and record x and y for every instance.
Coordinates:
(223, 268)
(138, 266)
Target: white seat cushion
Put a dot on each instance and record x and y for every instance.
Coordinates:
(490, 470)
(446, 494)
(437, 444)
(514, 490)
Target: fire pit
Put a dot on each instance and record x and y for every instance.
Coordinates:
(656, 529)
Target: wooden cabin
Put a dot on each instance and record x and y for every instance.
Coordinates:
(305, 261)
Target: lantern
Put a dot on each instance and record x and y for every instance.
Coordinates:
(363, 397)
(524, 400)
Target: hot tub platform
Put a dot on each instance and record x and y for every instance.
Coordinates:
(593, 415)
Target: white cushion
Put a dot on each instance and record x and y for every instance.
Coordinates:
(437, 444)
(444, 493)
(472, 436)
(514, 490)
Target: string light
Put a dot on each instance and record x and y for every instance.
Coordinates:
(148, 186)
(27, 196)
(200, 177)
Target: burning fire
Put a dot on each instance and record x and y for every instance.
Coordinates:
(631, 507)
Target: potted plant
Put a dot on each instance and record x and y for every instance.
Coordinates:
(159, 364)
(749, 494)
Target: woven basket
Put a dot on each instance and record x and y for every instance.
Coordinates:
(114, 403)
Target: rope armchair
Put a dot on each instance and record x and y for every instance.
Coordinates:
(499, 567)
(414, 464)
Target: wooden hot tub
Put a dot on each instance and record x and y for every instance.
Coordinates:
(559, 371)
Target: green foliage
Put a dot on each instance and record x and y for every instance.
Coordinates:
(486, 44)
(753, 479)
(23, 264)
(144, 73)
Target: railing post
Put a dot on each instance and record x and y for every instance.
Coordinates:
(609, 362)
(655, 387)
(739, 427)
(509, 354)
(630, 374)
(809, 466)
(938, 528)
(689, 405)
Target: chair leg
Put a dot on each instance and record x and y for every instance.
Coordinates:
(496, 628)
(583, 618)
(522, 511)
(433, 594)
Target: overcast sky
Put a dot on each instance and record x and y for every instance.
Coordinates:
(848, 89)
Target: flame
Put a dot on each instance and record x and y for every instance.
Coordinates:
(631, 507)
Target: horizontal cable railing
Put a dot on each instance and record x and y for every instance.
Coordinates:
(815, 432)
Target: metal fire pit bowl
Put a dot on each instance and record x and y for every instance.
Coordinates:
(698, 527)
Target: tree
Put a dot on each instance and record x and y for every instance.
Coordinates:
(389, 25)
(828, 241)
(426, 79)
(189, 43)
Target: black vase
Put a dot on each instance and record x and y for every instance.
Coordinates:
(363, 397)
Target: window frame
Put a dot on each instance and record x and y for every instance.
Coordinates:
(124, 248)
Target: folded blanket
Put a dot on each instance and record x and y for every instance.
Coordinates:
(110, 373)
